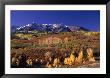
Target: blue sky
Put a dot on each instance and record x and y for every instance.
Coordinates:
(89, 19)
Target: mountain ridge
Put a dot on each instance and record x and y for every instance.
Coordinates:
(53, 28)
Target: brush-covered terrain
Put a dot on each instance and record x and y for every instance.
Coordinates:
(65, 49)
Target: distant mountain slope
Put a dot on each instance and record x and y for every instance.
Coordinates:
(55, 28)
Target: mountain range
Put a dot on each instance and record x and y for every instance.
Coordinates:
(54, 28)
